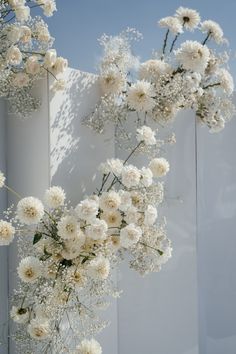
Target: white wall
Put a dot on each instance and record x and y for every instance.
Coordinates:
(159, 313)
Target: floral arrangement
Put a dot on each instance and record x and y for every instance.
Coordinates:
(192, 76)
(67, 253)
(25, 53)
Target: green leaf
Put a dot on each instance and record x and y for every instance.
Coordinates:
(37, 237)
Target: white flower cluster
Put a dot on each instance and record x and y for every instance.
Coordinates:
(173, 80)
(26, 54)
(74, 249)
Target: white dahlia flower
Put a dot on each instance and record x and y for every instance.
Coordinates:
(189, 18)
(55, 197)
(172, 24)
(192, 55)
(213, 29)
(109, 201)
(30, 210)
(112, 218)
(89, 347)
(130, 176)
(159, 167)
(68, 227)
(97, 230)
(39, 330)
(140, 96)
(99, 268)
(130, 235)
(7, 232)
(29, 269)
(147, 135)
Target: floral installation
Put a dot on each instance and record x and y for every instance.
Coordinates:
(67, 253)
(26, 53)
(191, 75)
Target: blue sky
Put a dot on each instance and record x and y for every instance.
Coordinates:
(78, 23)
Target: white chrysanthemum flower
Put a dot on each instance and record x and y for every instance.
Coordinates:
(39, 330)
(19, 315)
(115, 166)
(193, 56)
(147, 135)
(14, 56)
(7, 232)
(150, 215)
(60, 65)
(49, 7)
(76, 277)
(146, 176)
(226, 80)
(2, 179)
(68, 227)
(32, 65)
(112, 81)
(72, 247)
(29, 269)
(55, 197)
(172, 24)
(16, 3)
(13, 34)
(89, 347)
(159, 167)
(42, 32)
(20, 79)
(130, 235)
(213, 29)
(109, 201)
(152, 69)
(140, 96)
(112, 218)
(25, 34)
(22, 13)
(99, 268)
(97, 230)
(126, 200)
(189, 18)
(130, 176)
(132, 215)
(87, 209)
(50, 58)
(30, 210)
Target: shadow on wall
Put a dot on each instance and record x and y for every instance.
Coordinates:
(76, 151)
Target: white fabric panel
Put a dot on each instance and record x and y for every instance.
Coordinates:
(3, 250)
(217, 240)
(159, 313)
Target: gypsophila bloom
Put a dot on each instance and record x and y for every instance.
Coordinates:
(19, 315)
(172, 24)
(68, 227)
(150, 215)
(193, 56)
(152, 69)
(130, 235)
(29, 269)
(30, 210)
(58, 85)
(189, 18)
(54, 197)
(140, 96)
(87, 209)
(226, 80)
(89, 347)
(132, 215)
(109, 201)
(7, 232)
(99, 268)
(20, 80)
(39, 330)
(97, 231)
(2, 179)
(112, 218)
(130, 176)
(112, 81)
(147, 135)
(159, 167)
(213, 29)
